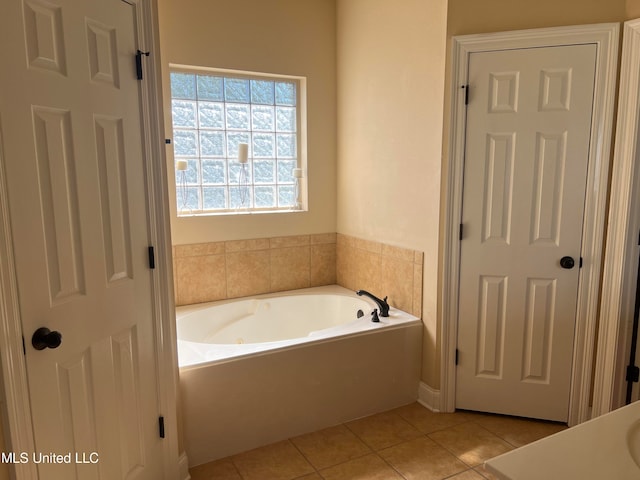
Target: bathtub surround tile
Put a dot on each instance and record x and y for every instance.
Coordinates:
(384, 270)
(248, 273)
(368, 245)
(397, 282)
(398, 252)
(471, 443)
(345, 240)
(330, 446)
(279, 461)
(200, 279)
(368, 274)
(345, 267)
(199, 249)
(323, 238)
(417, 290)
(422, 459)
(369, 467)
(383, 430)
(290, 268)
(206, 272)
(323, 264)
(292, 241)
(247, 245)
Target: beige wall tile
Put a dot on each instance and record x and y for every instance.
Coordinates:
(265, 265)
(198, 249)
(397, 278)
(248, 273)
(345, 240)
(323, 264)
(417, 291)
(322, 238)
(200, 279)
(290, 268)
(368, 245)
(246, 245)
(368, 274)
(291, 241)
(345, 271)
(398, 252)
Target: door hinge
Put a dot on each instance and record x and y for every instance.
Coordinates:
(139, 55)
(460, 233)
(24, 346)
(633, 373)
(161, 426)
(152, 258)
(457, 355)
(580, 263)
(466, 94)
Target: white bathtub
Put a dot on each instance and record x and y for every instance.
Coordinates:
(248, 379)
(222, 330)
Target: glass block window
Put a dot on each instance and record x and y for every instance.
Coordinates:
(213, 113)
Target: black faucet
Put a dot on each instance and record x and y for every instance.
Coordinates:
(382, 304)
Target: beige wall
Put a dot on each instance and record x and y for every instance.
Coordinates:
(290, 37)
(391, 56)
(471, 16)
(632, 9)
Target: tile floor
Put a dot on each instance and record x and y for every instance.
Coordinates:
(409, 442)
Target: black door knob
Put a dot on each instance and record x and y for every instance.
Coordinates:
(567, 262)
(45, 338)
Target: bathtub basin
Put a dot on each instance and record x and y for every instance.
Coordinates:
(218, 331)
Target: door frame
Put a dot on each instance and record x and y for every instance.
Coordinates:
(18, 425)
(619, 274)
(605, 37)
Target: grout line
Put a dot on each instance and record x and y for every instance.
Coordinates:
(305, 457)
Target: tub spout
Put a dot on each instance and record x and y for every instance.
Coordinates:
(382, 304)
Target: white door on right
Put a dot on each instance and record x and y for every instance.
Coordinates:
(527, 146)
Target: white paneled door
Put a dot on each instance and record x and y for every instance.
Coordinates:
(527, 146)
(71, 143)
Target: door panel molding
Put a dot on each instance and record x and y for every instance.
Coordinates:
(605, 37)
(621, 256)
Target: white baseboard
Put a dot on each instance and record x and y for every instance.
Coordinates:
(429, 397)
(183, 467)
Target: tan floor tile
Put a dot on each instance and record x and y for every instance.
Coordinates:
(369, 467)
(486, 474)
(468, 475)
(519, 431)
(471, 443)
(422, 459)
(427, 421)
(219, 470)
(330, 446)
(278, 461)
(383, 430)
